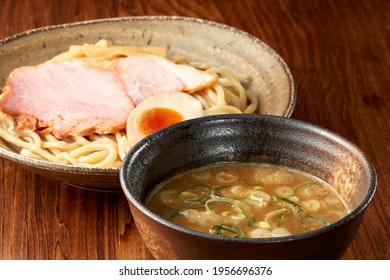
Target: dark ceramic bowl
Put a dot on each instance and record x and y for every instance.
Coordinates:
(247, 138)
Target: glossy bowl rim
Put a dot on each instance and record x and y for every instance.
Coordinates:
(369, 167)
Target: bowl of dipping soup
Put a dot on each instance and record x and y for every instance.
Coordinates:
(247, 187)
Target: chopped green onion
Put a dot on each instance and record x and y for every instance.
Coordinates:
(294, 207)
(316, 220)
(228, 230)
(194, 193)
(290, 202)
(303, 215)
(279, 214)
(252, 222)
(259, 196)
(218, 190)
(302, 186)
(170, 213)
(244, 208)
(275, 213)
(251, 184)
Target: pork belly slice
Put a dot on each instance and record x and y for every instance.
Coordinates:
(145, 75)
(66, 99)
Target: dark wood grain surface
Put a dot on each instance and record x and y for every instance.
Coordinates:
(339, 53)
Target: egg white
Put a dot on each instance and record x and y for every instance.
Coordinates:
(183, 103)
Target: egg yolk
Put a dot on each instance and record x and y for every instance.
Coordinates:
(153, 119)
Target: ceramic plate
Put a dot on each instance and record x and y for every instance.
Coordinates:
(196, 39)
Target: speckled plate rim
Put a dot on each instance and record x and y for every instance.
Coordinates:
(112, 172)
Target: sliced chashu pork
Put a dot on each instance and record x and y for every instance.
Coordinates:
(66, 99)
(79, 98)
(145, 75)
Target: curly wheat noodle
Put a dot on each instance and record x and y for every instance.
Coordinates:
(228, 96)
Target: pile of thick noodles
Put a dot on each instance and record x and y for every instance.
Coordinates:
(228, 96)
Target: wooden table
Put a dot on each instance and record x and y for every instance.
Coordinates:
(339, 53)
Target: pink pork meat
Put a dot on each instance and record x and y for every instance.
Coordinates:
(145, 75)
(66, 99)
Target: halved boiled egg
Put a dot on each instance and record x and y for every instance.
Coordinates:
(159, 111)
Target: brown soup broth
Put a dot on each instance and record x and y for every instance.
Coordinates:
(247, 200)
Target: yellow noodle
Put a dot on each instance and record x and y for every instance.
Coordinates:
(228, 96)
(104, 50)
